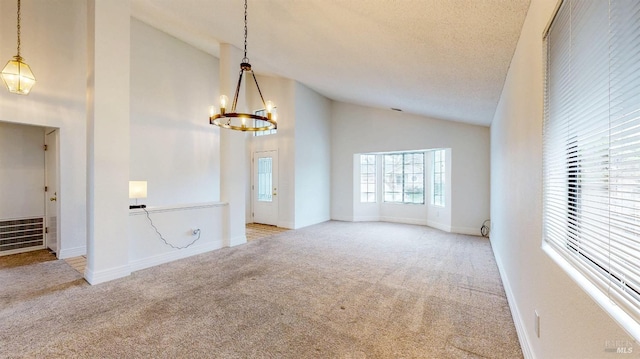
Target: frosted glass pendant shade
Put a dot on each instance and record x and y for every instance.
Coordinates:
(137, 189)
(17, 76)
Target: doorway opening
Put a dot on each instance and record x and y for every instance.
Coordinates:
(28, 182)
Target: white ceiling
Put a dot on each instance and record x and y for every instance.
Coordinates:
(445, 59)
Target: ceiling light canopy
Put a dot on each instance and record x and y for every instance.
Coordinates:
(243, 121)
(17, 75)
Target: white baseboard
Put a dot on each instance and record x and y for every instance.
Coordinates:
(285, 224)
(366, 218)
(419, 221)
(312, 222)
(107, 274)
(172, 256)
(515, 313)
(340, 218)
(440, 226)
(237, 240)
(72, 252)
(466, 230)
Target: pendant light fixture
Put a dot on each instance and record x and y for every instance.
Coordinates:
(243, 121)
(17, 75)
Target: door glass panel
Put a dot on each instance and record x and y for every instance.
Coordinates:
(265, 169)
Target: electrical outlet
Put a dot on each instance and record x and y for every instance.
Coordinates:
(537, 323)
(195, 231)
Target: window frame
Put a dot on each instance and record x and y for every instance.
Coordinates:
(263, 112)
(402, 192)
(438, 177)
(371, 178)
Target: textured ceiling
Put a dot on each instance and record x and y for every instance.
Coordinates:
(445, 59)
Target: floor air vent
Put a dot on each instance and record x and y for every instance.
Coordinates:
(19, 234)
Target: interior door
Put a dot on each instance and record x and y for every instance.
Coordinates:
(51, 195)
(265, 187)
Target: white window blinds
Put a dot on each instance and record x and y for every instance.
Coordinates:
(591, 159)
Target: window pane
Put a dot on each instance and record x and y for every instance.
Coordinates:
(265, 179)
(367, 178)
(437, 185)
(404, 177)
(260, 123)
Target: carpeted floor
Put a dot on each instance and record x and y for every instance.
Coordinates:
(334, 290)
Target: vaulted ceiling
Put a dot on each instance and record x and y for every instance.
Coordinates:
(445, 59)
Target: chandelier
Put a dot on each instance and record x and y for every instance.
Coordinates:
(243, 121)
(17, 75)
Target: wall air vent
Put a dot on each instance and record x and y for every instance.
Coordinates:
(18, 235)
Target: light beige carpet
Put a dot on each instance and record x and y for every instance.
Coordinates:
(253, 231)
(334, 290)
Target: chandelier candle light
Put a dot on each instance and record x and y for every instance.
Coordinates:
(17, 75)
(243, 121)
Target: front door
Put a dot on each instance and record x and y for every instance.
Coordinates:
(51, 195)
(265, 187)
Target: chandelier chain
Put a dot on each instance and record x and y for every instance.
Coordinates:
(243, 121)
(245, 58)
(18, 28)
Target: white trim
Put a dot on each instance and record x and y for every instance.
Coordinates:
(623, 319)
(72, 252)
(177, 207)
(366, 219)
(172, 256)
(285, 224)
(313, 222)
(107, 274)
(466, 230)
(237, 240)
(440, 226)
(419, 221)
(521, 330)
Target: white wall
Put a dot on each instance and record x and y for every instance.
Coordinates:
(357, 129)
(54, 44)
(173, 146)
(303, 144)
(282, 92)
(176, 224)
(22, 176)
(312, 157)
(571, 324)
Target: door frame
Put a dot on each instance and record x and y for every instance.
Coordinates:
(52, 191)
(253, 184)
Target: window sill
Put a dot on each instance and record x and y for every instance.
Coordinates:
(627, 322)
